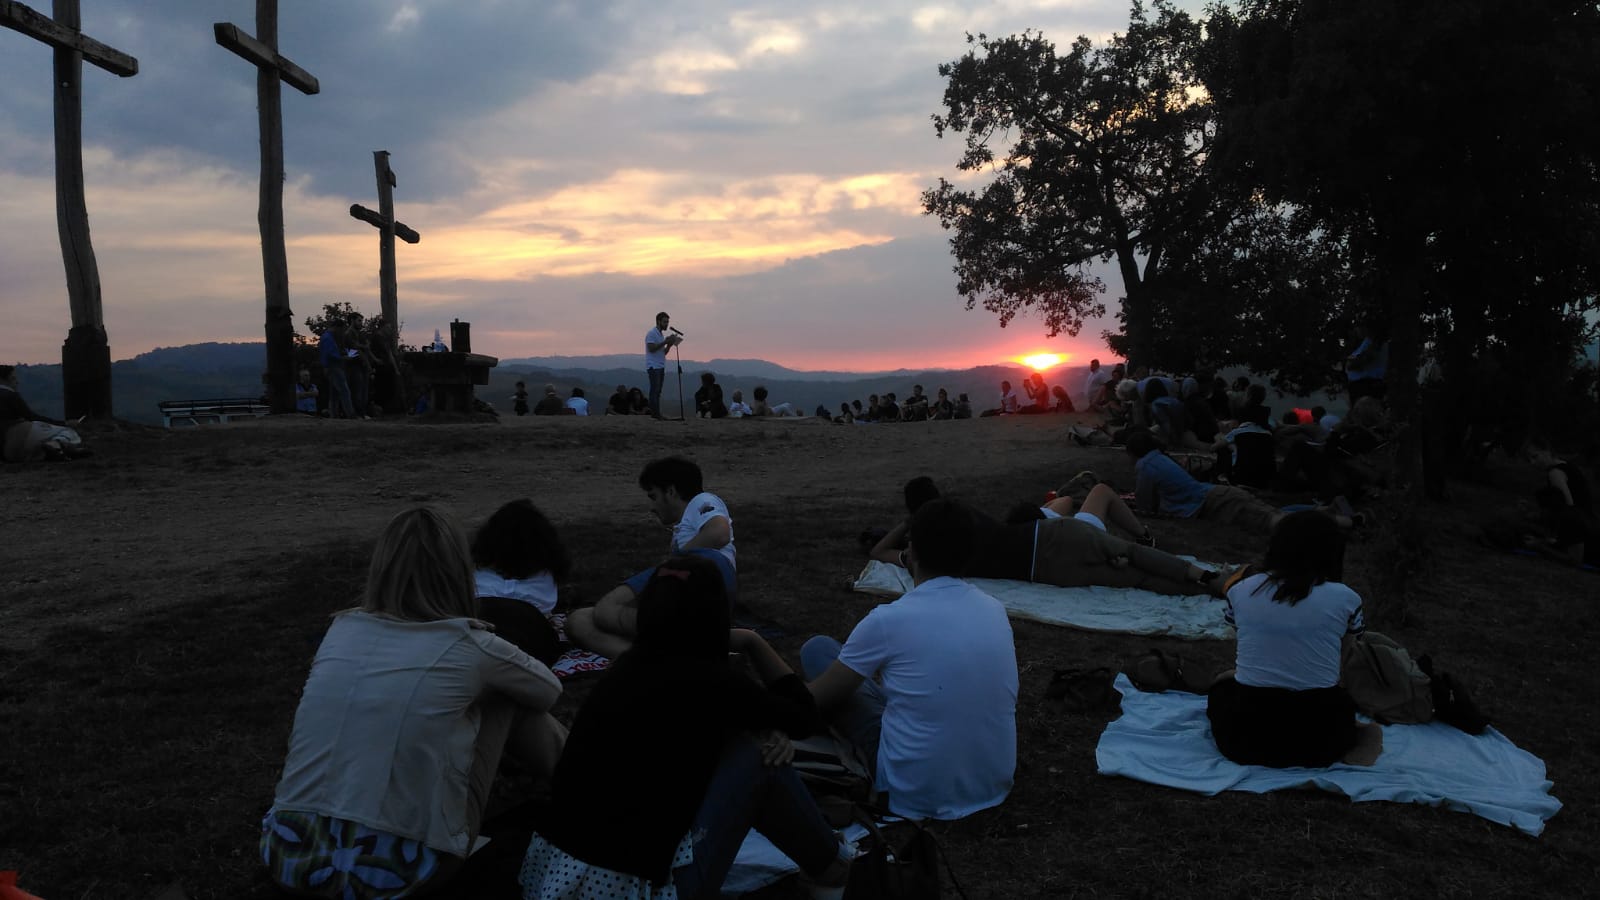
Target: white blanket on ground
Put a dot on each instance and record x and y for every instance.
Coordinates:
(1096, 608)
(759, 863)
(1166, 739)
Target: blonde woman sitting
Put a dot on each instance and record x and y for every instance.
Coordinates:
(409, 704)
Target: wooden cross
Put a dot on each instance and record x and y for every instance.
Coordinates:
(86, 355)
(388, 230)
(271, 69)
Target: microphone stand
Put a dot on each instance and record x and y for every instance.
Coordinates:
(677, 357)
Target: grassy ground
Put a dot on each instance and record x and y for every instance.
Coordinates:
(160, 603)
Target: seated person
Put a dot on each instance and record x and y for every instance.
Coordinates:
(1096, 386)
(874, 409)
(412, 799)
(638, 403)
(1059, 401)
(1198, 413)
(821, 412)
(915, 408)
(708, 399)
(550, 404)
(738, 409)
(1038, 394)
(942, 409)
(701, 526)
(305, 393)
(520, 559)
(1169, 417)
(1575, 533)
(626, 823)
(1283, 705)
(888, 409)
(1162, 486)
(925, 687)
(845, 416)
(855, 409)
(25, 435)
(1567, 480)
(963, 407)
(578, 403)
(618, 405)
(1008, 402)
(760, 407)
(1247, 454)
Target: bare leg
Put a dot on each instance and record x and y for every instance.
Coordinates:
(536, 741)
(1369, 746)
(1105, 504)
(1063, 506)
(608, 627)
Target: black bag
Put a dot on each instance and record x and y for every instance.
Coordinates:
(898, 861)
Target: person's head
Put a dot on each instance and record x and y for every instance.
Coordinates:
(1219, 386)
(305, 377)
(1118, 372)
(707, 379)
(1154, 390)
(821, 410)
(549, 390)
(963, 398)
(421, 569)
(622, 389)
(519, 542)
(1188, 388)
(1127, 390)
(889, 397)
(940, 539)
(1256, 395)
(1140, 444)
(1242, 383)
(1258, 414)
(1141, 373)
(844, 408)
(520, 385)
(670, 483)
(635, 394)
(663, 320)
(916, 390)
(872, 399)
(1005, 387)
(683, 612)
(1036, 378)
(1094, 365)
(8, 376)
(760, 393)
(1305, 550)
(918, 491)
(1317, 412)
(943, 395)
(738, 396)
(1059, 392)
(577, 392)
(1290, 417)
(855, 405)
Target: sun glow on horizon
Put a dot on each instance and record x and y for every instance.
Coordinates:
(1039, 362)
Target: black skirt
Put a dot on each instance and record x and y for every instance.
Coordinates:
(1278, 727)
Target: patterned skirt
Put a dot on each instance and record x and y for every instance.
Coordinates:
(320, 856)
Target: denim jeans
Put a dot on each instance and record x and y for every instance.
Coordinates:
(339, 404)
(657, 377)
(730, 577)
(860, 719)
(745, 794)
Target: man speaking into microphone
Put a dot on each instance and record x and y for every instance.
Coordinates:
(656, 343)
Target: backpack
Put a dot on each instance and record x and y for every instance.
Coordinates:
(1384, 681)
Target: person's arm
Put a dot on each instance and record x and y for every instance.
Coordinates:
(517, 675)
(834, 686)
(888, 548)
(1558, 480)
(1146, 492)
(768, 665)
(713, 535)
(657, 346)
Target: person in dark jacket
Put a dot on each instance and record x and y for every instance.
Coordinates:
(26, 435)
(676, 756)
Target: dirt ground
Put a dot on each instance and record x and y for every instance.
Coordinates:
(159, 604)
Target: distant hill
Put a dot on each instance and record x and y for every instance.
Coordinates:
(216, 370)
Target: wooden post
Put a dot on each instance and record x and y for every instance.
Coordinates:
(86, 354)
(271, 70)
(388, 230)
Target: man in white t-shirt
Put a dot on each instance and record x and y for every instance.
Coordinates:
(1094, 386)
(657, 342)
(701, 526)
(578, 403)
(926, 687)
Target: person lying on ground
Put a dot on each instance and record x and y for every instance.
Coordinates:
(701, 526)
(925, 687)
(520, 559)
(1101, 507)
(25, 435)
(1283, 705)
(638, 820)
(409, 705)
(1162, 486)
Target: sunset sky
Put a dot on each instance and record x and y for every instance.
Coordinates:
(754, 168)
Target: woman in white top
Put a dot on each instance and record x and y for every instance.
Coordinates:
(408, 706)
(1283, 704)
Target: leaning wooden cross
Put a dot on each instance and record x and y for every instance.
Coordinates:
(388, 230)
(86, 355)
(271, 69)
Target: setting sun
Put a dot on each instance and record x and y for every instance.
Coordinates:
(1041, 361)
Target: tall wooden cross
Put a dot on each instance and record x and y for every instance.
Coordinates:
(388, 230)
(271, 69)
(86, 355)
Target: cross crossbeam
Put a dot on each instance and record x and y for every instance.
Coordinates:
(17, 17)
(263, 56)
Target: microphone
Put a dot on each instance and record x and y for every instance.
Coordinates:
(675, 331)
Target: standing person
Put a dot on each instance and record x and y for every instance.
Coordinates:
(331, 354)
(657, 341)
(670, 821)
(701, 526)
(305, 394)
(1283, 704)
(925, 687)
(358, 367)
(405, 714)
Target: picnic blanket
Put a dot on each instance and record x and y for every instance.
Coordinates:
(759, 863)
(1094, 608)
(1166, 739)
(575, 661)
